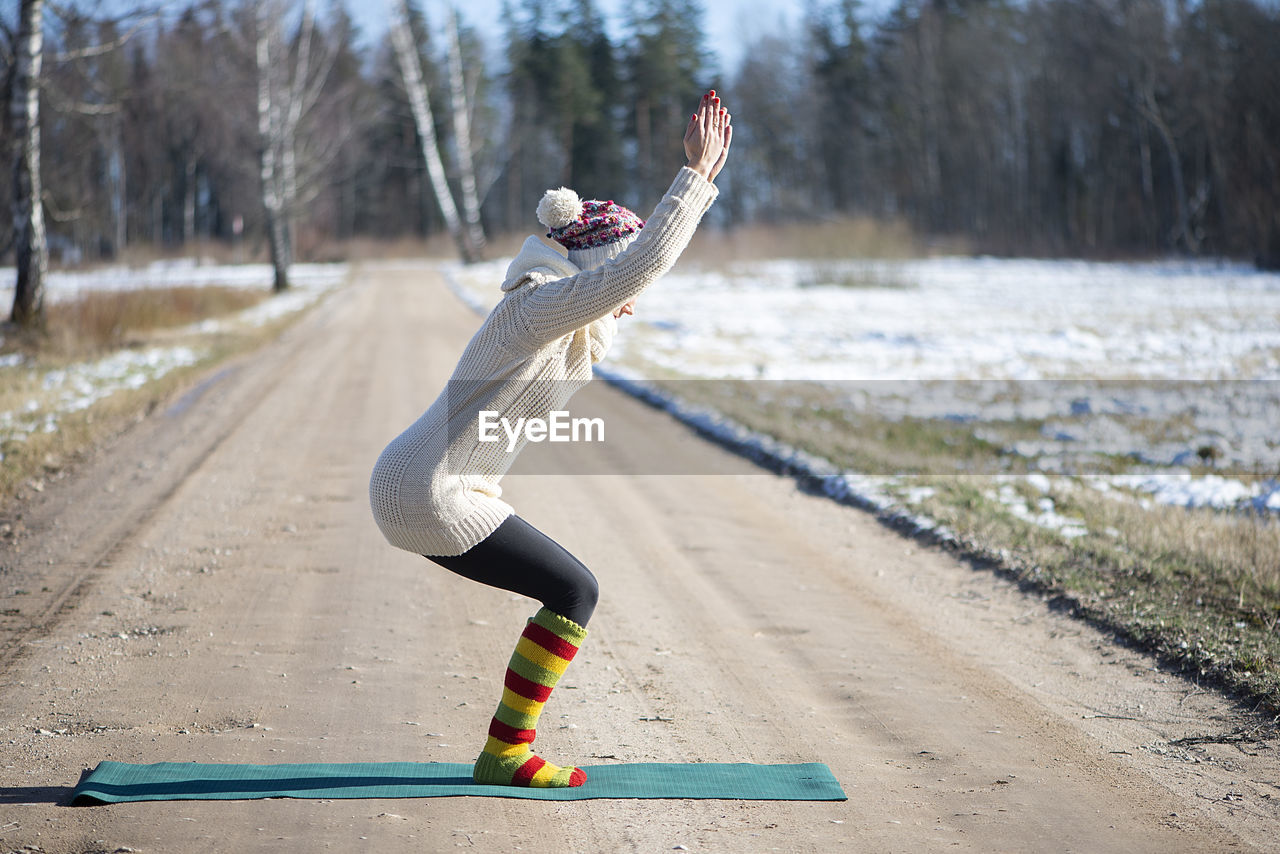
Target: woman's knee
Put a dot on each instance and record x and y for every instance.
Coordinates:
(580, 598)
(590, 588)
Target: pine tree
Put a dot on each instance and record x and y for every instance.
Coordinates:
(841, 106)
(667, 63)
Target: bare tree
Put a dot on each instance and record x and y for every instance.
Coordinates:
(30, 246)
(462, 141)
(1182, 233)
(8, 44)
(420, 104)
(290, 84)
(89, 82)
(271, 140)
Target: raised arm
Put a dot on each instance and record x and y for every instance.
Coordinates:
(559, 307)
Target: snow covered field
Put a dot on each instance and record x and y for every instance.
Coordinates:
(76, 387)
(1162, 364)
(954, 319)
(186, 272)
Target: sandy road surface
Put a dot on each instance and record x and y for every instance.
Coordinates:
(213, 589)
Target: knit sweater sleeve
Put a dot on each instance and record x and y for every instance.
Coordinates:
(559, 307)
(600, 336)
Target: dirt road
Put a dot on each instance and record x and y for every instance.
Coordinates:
(213, 589)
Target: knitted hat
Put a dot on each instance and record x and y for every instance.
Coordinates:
(593, 231)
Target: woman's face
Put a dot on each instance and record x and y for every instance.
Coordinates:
(625, 308)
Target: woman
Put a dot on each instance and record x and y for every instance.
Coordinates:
(434, 490)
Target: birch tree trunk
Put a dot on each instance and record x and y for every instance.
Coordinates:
(296, 107)
(119, 186)
(270, 127)
(462, 140)
(189, 200)
(292, 76)
(416, 88)
(30, 247)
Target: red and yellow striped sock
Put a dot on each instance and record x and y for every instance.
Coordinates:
(546, 647)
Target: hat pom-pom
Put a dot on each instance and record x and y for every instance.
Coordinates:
(559, 207)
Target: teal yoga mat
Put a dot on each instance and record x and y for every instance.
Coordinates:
(116, 782)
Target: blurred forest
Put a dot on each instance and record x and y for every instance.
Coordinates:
(1065, 127)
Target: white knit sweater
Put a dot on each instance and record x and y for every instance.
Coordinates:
(434, 490)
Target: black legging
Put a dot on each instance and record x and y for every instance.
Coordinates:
(520, 558)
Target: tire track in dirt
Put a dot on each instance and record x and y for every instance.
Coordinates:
(67, 539)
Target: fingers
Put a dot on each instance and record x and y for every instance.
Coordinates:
(709, 110)
(727, 139)
(708, 135)
(708, 106)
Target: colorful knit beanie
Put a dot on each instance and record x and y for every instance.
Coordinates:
(592, 231)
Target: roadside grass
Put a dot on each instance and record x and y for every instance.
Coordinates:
(1199, 587)
(139, 255)
(862, 238)
(97, 321)
(93, 326)
(811, 417)
(40, 456)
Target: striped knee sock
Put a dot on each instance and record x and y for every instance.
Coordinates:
(546, 647)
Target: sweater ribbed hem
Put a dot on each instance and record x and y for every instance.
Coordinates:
(594, 256)
(460, 536)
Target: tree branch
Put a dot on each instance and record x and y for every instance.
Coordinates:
(84, 108)
(104, 48)
(57, 214)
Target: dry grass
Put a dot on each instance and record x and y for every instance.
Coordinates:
(810, 417)
(826, 240)
(41, 456)
(87, 328)
(829, 240)
(97, 321)
(311, 248)
(1199, 587)
(139, 255)
(846, 238)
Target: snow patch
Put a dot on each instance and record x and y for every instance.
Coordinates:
(76, 387)
(1205, 336)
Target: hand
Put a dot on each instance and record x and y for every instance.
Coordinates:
(625, 308)
(707, 139)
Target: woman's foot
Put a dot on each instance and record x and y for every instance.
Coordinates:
(546, 647)
(525, 768)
